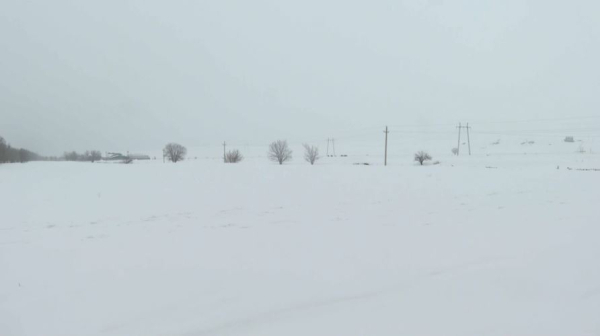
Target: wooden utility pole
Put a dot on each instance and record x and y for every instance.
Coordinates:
(460, 127)
(386, 140)
(458, 148)
(333, 145)
(468, 139)
(224, 151)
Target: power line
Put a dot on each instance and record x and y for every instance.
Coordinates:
(487, 122)
(549, 135)
(538, 120)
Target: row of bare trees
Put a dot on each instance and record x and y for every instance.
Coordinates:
(279, 151)
(10, 154)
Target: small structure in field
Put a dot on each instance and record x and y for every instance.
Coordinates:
(115, 157)
(569, 139)
(139, 157)
(118, 158)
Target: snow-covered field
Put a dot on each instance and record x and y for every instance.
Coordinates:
(499, 243)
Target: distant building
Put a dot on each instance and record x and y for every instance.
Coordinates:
(128, 157)
(115, 157)
(139, 157)
(569, 139)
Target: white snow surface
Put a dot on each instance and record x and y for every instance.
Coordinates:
(492, 244)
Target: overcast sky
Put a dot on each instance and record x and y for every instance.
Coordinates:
(119, 75)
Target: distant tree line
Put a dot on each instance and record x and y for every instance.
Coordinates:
(90, 156)
(9, 154)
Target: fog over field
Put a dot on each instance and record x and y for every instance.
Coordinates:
(271, 168)
(133, 75)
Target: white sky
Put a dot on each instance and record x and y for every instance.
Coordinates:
(78, 75)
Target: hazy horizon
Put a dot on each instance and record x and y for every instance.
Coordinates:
(137, 74)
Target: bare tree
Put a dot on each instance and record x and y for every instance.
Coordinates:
(71, 156)
(311, 153)
(233, 156)
(95, 155)
(279, 151)
(421, 157)
(174, 152)
(92, 156)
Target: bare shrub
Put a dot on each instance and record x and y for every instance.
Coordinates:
(174, 152)
(279, 151)
(421, 157)
(233, 156)
(311, 153)
(455, 151)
